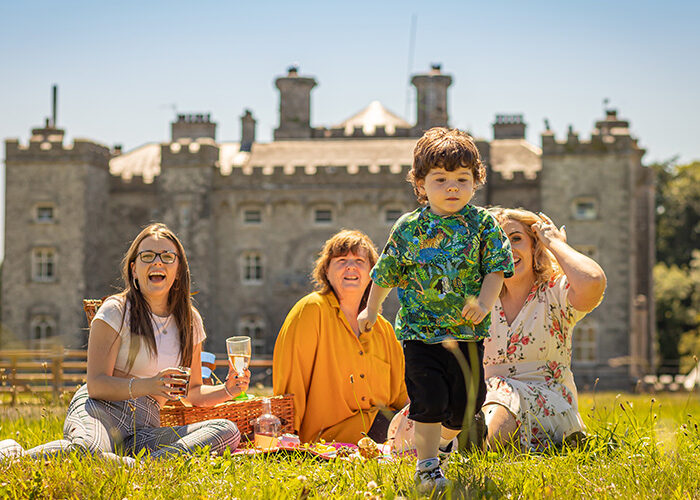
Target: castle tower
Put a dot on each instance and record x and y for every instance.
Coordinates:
(193, 126)
(601, 191)
(509, 127)
(295, 105)
(247, 130)
(55, 213)
(431, 93)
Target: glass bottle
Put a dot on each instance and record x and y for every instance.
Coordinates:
(267, 427)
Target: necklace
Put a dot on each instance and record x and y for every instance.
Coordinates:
(161, 327)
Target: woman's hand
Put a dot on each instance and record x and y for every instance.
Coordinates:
(237, 383)
(165, 384)
(547, 232)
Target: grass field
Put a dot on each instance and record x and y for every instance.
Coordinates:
(640, 446)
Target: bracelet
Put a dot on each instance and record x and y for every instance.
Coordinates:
(131, 382)
(230, 396)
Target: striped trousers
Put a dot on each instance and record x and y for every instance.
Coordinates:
(125, 428)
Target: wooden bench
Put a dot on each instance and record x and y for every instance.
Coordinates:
(50, 370)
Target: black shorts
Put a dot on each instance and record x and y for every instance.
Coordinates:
(436, 382)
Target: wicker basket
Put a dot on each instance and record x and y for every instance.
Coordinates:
(240, 412)
(90, 306)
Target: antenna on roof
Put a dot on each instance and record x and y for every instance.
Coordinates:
(411, 51)
(606, 101)
(54, 104)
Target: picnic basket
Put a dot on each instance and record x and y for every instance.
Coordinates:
(242, 412)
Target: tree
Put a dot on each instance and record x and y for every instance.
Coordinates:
(677, 212)
(677, 272)
(677, 293)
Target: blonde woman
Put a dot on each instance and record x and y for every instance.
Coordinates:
(531, 396)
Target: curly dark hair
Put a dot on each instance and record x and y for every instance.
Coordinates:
(446, 148)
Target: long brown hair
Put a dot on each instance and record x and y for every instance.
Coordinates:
(544, 264)
(179, 299)
(340, 244)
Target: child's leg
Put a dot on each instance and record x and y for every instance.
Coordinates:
(467, 391)
(447, 435)
(427, 438)
(428, 392)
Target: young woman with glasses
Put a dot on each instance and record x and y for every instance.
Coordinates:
(141, 342)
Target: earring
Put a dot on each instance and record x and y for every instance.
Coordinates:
(136, 283)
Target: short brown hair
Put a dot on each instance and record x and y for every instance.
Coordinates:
(342, 243)
(446, 148)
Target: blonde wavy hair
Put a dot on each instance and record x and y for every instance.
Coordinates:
(545, 265)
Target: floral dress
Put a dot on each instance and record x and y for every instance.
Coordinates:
(528, 365)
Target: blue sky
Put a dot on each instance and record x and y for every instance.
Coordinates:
(124, 67)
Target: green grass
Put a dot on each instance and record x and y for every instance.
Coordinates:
(641, 446)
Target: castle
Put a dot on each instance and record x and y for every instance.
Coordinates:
(253, 216)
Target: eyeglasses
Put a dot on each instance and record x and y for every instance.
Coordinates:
(148, 256)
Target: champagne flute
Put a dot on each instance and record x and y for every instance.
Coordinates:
(238, 349)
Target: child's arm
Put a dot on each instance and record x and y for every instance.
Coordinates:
(368, 316)
(475, 310)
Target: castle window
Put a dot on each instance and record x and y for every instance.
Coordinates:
(391, 215)
(43, 264)
(585, 209)
(252, 271)
(42, 328)
(254, 327)
(323, 216)
(584, 342)
(44, 213)
(252, 216)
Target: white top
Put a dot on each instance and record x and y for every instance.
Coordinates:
(164, 329)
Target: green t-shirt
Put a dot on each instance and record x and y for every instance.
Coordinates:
(435, 263)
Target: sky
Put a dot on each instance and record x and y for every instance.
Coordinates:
(125, 68)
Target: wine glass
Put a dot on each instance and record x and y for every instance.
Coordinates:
(238, 349)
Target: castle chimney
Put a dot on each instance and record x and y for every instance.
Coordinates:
(431, 92)
(509, 127)
(295, 105)
(247, 130)
(193, 126)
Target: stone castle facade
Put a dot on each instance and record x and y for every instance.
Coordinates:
(253, 216)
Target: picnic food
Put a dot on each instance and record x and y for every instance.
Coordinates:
(368, 448)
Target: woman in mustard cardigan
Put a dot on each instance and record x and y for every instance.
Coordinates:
(346, 383)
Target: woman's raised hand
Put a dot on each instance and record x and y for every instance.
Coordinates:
(547, 231)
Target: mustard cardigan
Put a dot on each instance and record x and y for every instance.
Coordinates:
(339, 380)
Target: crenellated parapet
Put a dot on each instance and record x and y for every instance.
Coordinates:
(185, 153)
(132, 184)
(509, 178)
(610, 135)
(304, 175)
(358, 133)
(47, 147)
